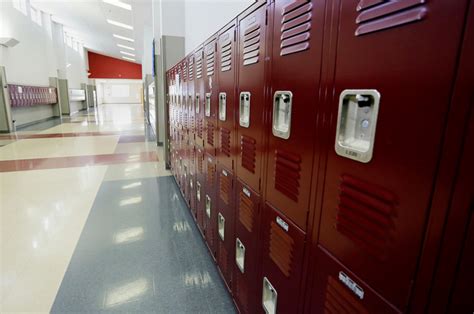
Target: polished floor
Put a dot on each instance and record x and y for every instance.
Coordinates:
(91, 221)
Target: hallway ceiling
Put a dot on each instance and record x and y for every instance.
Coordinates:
(86, 20)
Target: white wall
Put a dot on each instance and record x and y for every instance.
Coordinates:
(205, 17)
(113, 91)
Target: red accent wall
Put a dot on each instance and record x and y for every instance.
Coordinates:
(101, 66)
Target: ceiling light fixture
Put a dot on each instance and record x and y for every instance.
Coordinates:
(127, 53)
(124, 38)
(127, 58)
(119, 4)
(119, 24)
(125, 47)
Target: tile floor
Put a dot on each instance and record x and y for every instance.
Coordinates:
(91, 221)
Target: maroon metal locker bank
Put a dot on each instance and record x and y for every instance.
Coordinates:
(251, 94)
(197, 106)
(388, 113)
(245, 280)
(226, 65)
(210, 95)
(295, 70)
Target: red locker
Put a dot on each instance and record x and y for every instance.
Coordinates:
(251, 93)
(210, 202)
(199, 188)
(338, 290)
(190, 88)
(295, 70)
(245, 281)
(389, 85)
(226, 65)
(198, 106)
(225, 222)
(282, 261)
(210, 96)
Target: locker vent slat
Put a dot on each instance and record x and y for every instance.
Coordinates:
(365, 215)
(210, 59)
(248, 148)
(251, 45)
(185, 71)
(379, 15)
(246, 211)
(199, 127)
(225, 188)
(191, 69)
(199, 65)
(287, 174)
(225, 142)
(226, 55)
(340, 300)
(295, 27)
(210, 133)
(210, 175)
(281, 247)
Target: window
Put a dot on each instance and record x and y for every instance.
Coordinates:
(36, 16)
(20, 5)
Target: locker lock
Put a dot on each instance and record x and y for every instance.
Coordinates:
(356, 124)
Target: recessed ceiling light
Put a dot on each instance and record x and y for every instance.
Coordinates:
(119, 4)
(119, 24)
(124, 38)
(127, 58)
(126, 47)
(127, 53)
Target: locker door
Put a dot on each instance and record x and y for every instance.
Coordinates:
(245, 283)
(282, 263)
(296, 62)
(209, 213)
(251, 96)
(226, 65)
(390, 87)
(200, 182)
(210, 97)
(225, 222)
(189, 101)
(197, 105)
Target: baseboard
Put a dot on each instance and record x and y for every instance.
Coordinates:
(25, 125)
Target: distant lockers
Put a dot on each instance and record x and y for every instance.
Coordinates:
(317, 133)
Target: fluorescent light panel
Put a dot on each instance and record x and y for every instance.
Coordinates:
(124, 38)
(119, 4)
(127, 58)
(119, 24)
(125, 47)
(127, 53)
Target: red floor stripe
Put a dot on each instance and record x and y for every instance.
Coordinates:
(74, 161)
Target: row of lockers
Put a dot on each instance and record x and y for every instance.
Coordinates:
(312, 141)
(25, 96)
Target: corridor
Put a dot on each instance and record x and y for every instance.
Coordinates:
(92, 221)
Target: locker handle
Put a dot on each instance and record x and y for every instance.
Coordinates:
(197, 103)
(244, 109)
(207, 109)
(222, 106)
(269, 297)
(208, 206)
(240, 255)
(282, 105)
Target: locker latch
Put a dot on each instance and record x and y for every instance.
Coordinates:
(222, 106)
(282, 102)
(198, 191)
(221, 225)
(356, 122)
(240, 255)
(207, 109)
(244, 109)
(208, 206)
(269, 297)
(197, 103)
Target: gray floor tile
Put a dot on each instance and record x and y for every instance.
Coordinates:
(140, 252)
